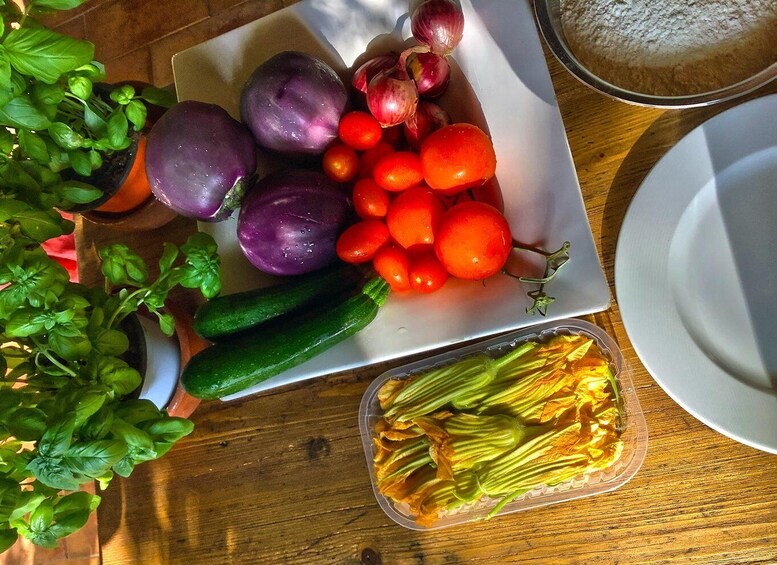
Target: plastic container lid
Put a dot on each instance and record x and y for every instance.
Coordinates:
(633, 434)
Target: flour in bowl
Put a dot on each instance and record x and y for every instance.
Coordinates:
(672, 47)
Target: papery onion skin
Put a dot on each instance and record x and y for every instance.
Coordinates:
(366, 72)
(293, 103)
(428, 117)
(290, 221)
(438, 24)
(199, 160)
(431, 73)
(392, 97)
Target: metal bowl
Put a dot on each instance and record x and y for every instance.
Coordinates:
(548, 13)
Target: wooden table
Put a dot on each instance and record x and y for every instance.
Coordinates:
(280, 477)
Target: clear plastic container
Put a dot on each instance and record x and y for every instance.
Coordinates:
(634, 430)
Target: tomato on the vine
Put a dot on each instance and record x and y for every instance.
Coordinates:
(426, 273)
(359, 130)
(392, 263)
(360, 242)
(413, 216)
(340, 163)
(473, 241)
(369, 199)
(398, 171)
(457, 157)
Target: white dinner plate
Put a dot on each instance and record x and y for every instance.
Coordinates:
(506, 89)
(696, 273)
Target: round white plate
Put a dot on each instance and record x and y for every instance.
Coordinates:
(696, 273)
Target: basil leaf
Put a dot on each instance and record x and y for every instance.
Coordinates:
(45, 54)
(123, 94)
(94, 71)
(136, 411)
(140, 446)
(8, 537)
(166, 324)
(56, 440)
(23, 323)
(95, 159)
(94, 122)
(124, 467)
(9, 495)
(99, 425)
(80, 162)
(75, 502)
(116, 374)
(136, 113)
(64, 136)
(202, 269)
(167, 429)
(110, 342)
(49, 94)
(5, 68)
(22, 113)
(27, 424)
(72, 348)
(52, 473)
(28, 502)
(158, 97)
(121, 266)
(34, 146)
(9, 208)
(80, 86)
(6, 140)
(56, 4)
(87, 402)
(94, 458)
(42, 225)
(77, 192)
(68, 523)
(117, 129)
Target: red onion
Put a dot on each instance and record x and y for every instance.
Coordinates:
(438, 24)
(392, 97)
(365, 73)
(428, 117)
(430, 72)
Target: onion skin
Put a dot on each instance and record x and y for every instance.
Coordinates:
(292, 104)
(290, 221)
(199, 160)
(431, 73)
(366, 72)
(438, 24)
(392, 97)
(428, 117)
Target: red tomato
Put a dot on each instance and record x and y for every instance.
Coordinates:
(371, 156)
(370, 200)
(426, 273)
(359, 130)
(473, 241)
(457, 157)
(414, 215)
(393, 265)
(398, 171)
(340, 163)
(360, 242)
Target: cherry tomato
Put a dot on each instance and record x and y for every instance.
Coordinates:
(359, 130)
(414, 215)
(371, 156)
(426, 273)
(473, 241)
(360, 242)
(398, 171)
(457, 157)
(393, 265)
(340, 163)
(369, 200)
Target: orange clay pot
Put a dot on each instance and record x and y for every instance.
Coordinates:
(183, 404)
(134, 189)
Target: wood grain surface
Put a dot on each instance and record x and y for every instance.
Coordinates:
(281, 477)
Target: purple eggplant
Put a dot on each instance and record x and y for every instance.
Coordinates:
(293, 103)
(199, 161)
(290, 221)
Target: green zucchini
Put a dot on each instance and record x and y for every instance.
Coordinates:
(235, 313)
(229, 367)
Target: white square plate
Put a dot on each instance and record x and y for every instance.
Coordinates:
(505, 70)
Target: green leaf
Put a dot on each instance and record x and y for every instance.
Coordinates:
(9, 208)
(34, 146)
(48, 94)
(94, 458)
(167, 429)
(80, 86)
(27, 424)
(158, 97)
(45, 54)
(64, 136)
(94, 122)
(68, 523)
(41, 225)
(169, 255)
(136, 113)
(56, 440)
(6, 141)
(25, 323)
(94, 71)
(52, 473)
(123, 94)
(77, 192)
(22, 113)
(99, 425)
(8, 537)
(203, 265)
(139, 443)
(5, 68)
(74, 502)
(9, 495)
(95, 159)
(116, 374)
(28, 502)
(42, 516)
(124, 467)
(136, 411)
(86, 401)
(56, 4)
(117, 129)
(122, 266)
(110, 342)
(80, 162)
(72, 348)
